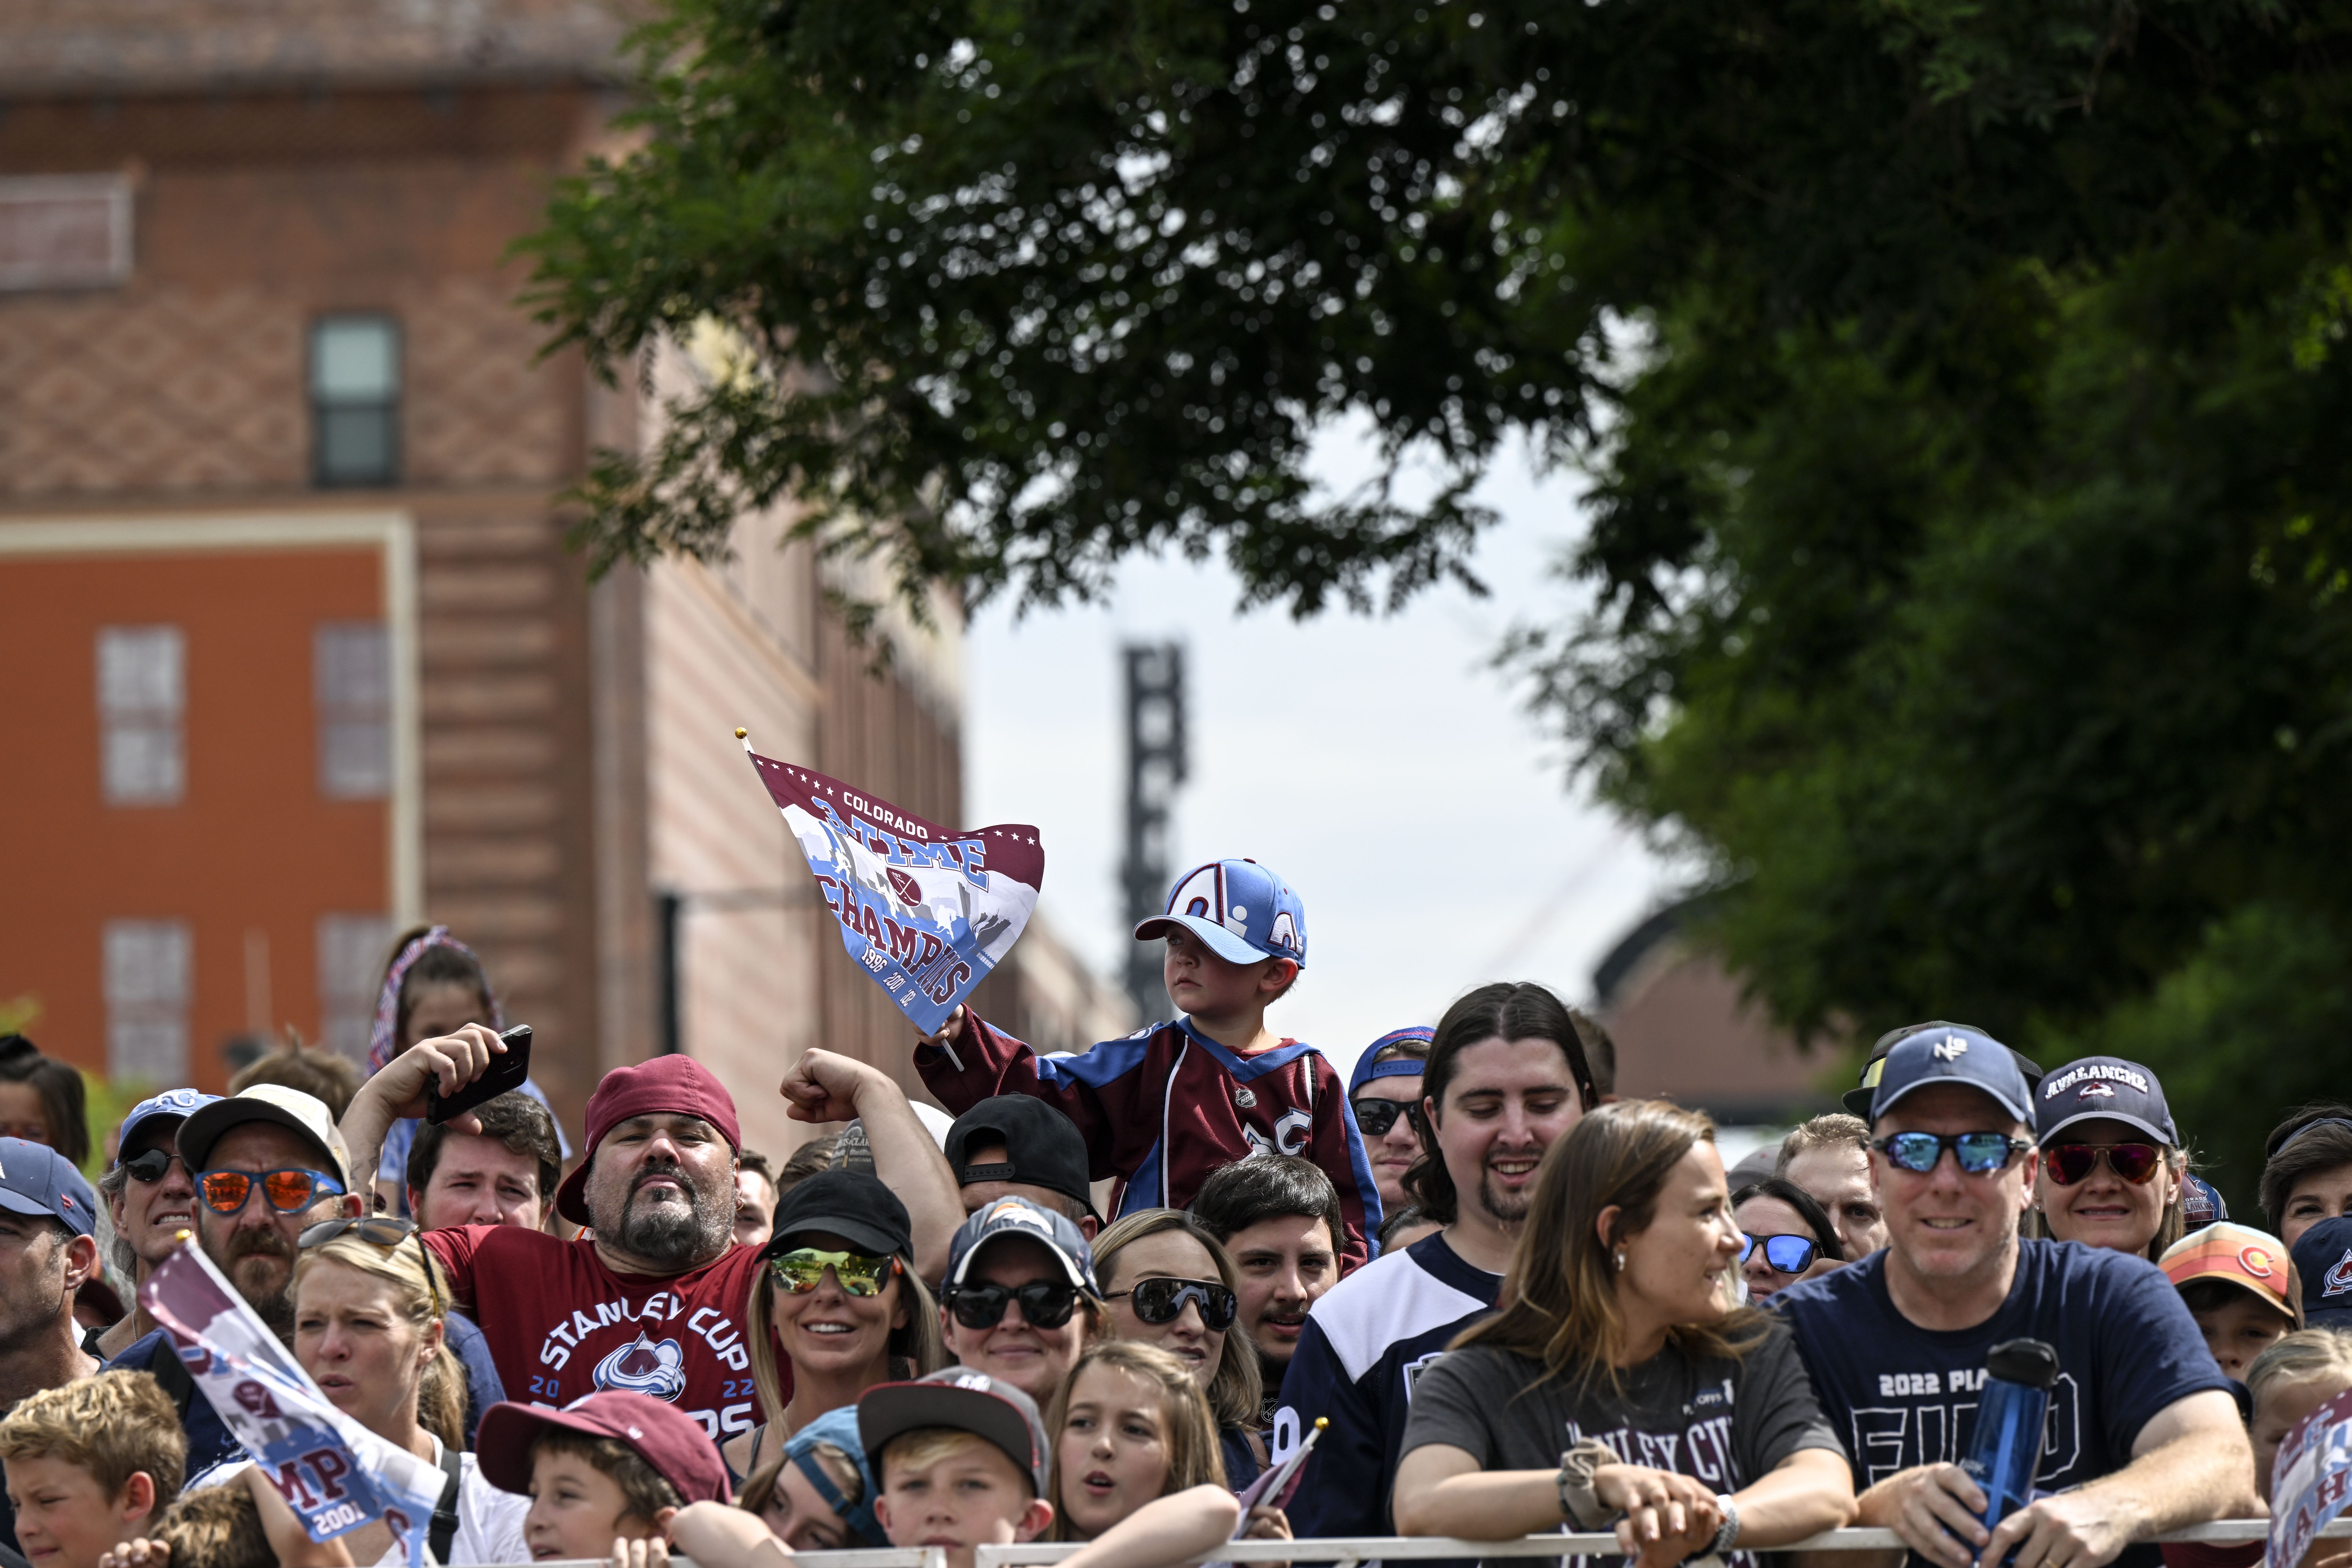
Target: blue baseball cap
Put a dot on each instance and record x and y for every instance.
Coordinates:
(2201, 1203)
(37, 1179)
(174, 1106)
(1243, 911)
(839, 1428)
(2107, 1086)
(1395, 1066)
(1954, 1055)
(1058, 1233)
(2323, 1259)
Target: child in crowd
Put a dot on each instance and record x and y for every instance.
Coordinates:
(961, 1460)
(2234, 1279)
(1173, 1102)
(240, 1523)
(2289, 1381)
(1135, 1446)
(817, 1495)
(91, 1464)
(605, 1470)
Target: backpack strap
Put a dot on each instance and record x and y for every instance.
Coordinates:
(443, 1529)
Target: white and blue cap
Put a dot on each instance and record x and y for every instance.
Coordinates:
(1956, 1055)
(1402, 1065)
(1240, 909)
(999, 1217)
(37, 1179)
(171, 1108)
(2102, 1086)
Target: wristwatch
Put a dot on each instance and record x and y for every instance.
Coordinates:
(1579, 1503)
(1730, 1531)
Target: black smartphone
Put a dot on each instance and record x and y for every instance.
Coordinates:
(504, 1072)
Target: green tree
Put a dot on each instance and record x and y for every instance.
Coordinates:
(1961, 378)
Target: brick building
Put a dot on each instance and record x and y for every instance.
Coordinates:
(294, 653)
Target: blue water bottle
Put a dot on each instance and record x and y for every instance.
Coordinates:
(2007, 1446)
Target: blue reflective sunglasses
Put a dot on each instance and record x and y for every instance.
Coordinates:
(1979, 1153)
(1787, 1254)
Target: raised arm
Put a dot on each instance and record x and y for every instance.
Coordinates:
(827, 1086)
(1163, 1531)
(451, 1061)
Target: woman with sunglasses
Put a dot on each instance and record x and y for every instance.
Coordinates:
(839, 1296)
(1785, 1236)
(1614, 1322)
(1169, 1283)
(2110, 1168)
(1020, 1300)
(368, 1306)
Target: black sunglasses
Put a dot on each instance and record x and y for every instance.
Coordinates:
(1159, 1302)
(152, 1166)
(1375, 1117)
(1044, 1304)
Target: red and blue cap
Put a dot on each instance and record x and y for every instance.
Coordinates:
(1241, 911)
(1413, 1066)
(37, 1180)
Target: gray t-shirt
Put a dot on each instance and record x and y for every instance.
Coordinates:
(1726, 1422)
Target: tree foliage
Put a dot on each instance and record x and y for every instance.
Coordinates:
(1963, 382)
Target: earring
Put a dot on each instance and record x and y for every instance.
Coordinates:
(1621, 1260)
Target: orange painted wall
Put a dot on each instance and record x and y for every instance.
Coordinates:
(253, 843)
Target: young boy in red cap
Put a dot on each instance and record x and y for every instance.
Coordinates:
(603, 1471)
(1170, 1103)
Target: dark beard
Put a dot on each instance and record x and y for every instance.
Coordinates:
(675, 1239)
(1509, 1210)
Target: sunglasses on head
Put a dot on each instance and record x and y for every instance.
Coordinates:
(378, 1230)
(2070, 1162)
(1375, 1117)
(802, 1269)
(287, 1191)
(1159, 1302)
(150, 1167)
(1044, 1304)
(1979, 1153)
(1787, 1254)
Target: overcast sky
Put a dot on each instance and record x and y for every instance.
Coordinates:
(1349, 753)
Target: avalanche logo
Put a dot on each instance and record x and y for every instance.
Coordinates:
(2339, 1278)
(645, 1366)
(1284, 934)
(2095, 1090)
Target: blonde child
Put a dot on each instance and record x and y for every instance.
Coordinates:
(91, 1464)
(961, 1456)
(2296, 1376)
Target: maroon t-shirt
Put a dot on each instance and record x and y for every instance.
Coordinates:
(560, 1324)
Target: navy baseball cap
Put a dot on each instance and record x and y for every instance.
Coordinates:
(170, 1108)
(965, 1401)
(1058, 1233)
(2102, 1086)
(1241, 909)
(1857, 1100)
(37, 1179)
(1395, 1066)
(2323, 1259)
(1953, 1055)
(2201, 1203)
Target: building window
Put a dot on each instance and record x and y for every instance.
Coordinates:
(150, 975)
(355, 400)
(351, 957)
(352, 678)
(142, 703)
(65, 231)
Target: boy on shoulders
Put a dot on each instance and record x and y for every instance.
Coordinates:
(1162, 1108)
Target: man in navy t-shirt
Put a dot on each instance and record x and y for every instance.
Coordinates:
(2142, 1435)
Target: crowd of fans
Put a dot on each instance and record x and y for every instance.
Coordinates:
(1512, 1303)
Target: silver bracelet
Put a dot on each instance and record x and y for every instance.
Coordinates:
(1730, 1531)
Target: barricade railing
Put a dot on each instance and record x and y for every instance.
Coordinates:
(1407, 1548)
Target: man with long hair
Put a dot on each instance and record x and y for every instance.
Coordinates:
(1507, 1076)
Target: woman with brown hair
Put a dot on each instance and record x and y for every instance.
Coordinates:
(1169, 1283)
(1614, 1327)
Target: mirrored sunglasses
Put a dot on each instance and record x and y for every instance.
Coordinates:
(1375, 1117)
(287, 1191)
(801, 1271)
(2070, 1162)
(1979, 1153)
(1159, 1302)
(1787, 1254)
(1044, 1304)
